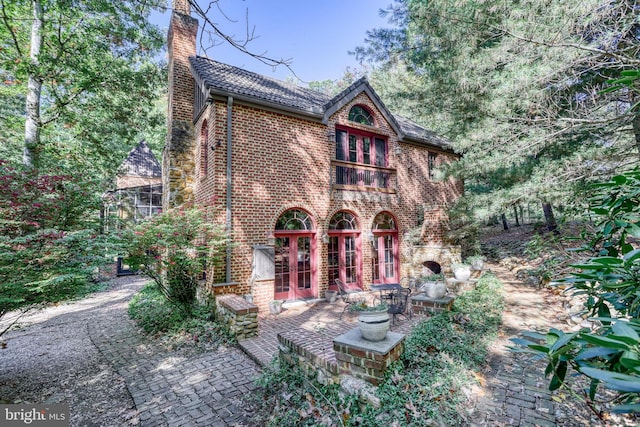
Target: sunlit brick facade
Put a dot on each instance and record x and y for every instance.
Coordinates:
(322, 194)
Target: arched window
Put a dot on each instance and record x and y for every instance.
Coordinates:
(384, 221)
(204, 149)
(343, 221)
(361, 115)
(294, 219)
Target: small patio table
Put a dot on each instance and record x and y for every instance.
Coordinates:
(396, 296)
(386, 290)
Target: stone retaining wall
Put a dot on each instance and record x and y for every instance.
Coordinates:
(238, 314)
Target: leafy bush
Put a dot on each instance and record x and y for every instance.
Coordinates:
(440, 358)
(50, 248)
(425, 387)
(157, 315)
(174, 249)
(609, 355)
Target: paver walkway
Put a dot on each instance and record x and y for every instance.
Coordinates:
(516, 391)
(175, 388)
(53, 349)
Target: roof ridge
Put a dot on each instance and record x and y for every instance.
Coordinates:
(273, 79)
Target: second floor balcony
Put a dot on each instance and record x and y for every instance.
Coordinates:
(361, 177)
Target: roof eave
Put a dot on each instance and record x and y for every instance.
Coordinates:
(316, 114)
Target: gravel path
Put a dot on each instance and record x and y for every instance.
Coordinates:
(90, 355)
(50, 358)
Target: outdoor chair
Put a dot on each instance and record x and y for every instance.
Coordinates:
(400, 304)
(349, 296)
(410, 282)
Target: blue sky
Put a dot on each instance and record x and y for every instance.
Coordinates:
(315, 34)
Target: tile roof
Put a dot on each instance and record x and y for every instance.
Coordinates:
(140, 162)
(229, 80)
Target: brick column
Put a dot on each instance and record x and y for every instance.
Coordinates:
(364, 359)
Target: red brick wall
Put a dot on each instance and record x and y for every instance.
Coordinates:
(282, 162)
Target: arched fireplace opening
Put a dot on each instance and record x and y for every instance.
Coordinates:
(432, 266)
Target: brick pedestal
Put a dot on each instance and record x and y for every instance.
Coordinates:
(239, 315)
(364, 359)
(422, 304)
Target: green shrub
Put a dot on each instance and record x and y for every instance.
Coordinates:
(153, 313)
(157, 315)
(174, 249)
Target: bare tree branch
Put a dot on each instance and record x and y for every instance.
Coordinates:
(240, 44)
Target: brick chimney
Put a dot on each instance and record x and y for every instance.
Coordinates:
(178, 157)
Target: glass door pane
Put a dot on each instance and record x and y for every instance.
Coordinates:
(304, 263)
(350, 259)
(333, 260)
(282, 255)
(389, 259)
(375, 261)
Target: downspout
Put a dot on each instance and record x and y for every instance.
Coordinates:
(229, 182)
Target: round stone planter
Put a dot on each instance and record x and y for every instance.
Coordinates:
(275, 307)
(331, 296)
(462, 273)
(374, 325)
(435, 290)
(477, 265)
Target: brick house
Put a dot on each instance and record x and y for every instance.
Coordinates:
(313, 187)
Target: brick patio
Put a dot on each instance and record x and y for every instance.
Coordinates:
(312, 326)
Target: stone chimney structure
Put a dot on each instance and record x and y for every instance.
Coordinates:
(178, 159)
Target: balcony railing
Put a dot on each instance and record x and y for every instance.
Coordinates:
(356, 176)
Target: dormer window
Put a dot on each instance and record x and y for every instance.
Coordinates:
(359, 114)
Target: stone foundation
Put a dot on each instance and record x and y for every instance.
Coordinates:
(239, 315)
(364, 359)
(422, 304)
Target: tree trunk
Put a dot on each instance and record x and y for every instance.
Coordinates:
(505, 226)
(32, 125)
(636, 129)
(549, 218)
(515, 212)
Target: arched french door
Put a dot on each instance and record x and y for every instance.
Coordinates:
(295, 259)
(385, 249)
(344, 255)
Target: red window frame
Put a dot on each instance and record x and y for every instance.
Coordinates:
(345, 149)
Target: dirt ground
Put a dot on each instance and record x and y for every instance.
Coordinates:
(535, 306)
